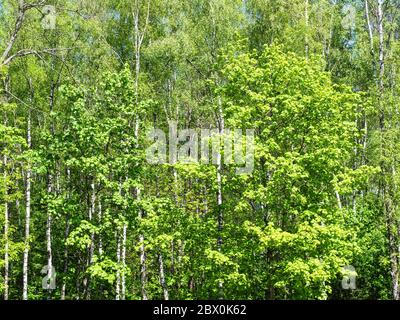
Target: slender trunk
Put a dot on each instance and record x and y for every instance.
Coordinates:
(369, 25)
(122, 253)
(27, 216)
(329, 44)
(162, 277)
(18, 211)
(50, 188)
(381, 63)
(172, 257)
(307, 47)
(176, 186)
(138, 42)
(6, 227)
(381, 49)
(365, 140)
(143, 271)
(219, 192)
(389, 192)
(92, 206)
(339, 201)
(91, 215)
(67, 227)
(48, 233)
(123, 258)
(143, 268)
(18, 24)
(6, 216)
(100, 217)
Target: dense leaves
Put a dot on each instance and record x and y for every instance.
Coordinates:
(317, 83)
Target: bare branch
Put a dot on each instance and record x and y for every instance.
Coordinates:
(146, 24)
(27, 52)
(22, 9)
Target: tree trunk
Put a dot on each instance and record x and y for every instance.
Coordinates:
(381, 48)
(123, 258)
(307, 46)
(48, 233)
(100, 217)
(27, 216)
(138, 43)
(143, 268)
(162, 277)
(67, 227)
(18, 24)
(143, 271)
(6, 229)
(369, 25)
(92, 209)
(219, 192)
(389, 193)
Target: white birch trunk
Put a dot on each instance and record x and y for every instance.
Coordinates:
(123, 258)
(6, 230)
(27, 217)
(307, 46)
(219, 193)
(162, 277)
(48, 234)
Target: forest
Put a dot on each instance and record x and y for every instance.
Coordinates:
(200, 149)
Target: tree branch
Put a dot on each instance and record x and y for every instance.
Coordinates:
(22, 9)
(27, 52)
